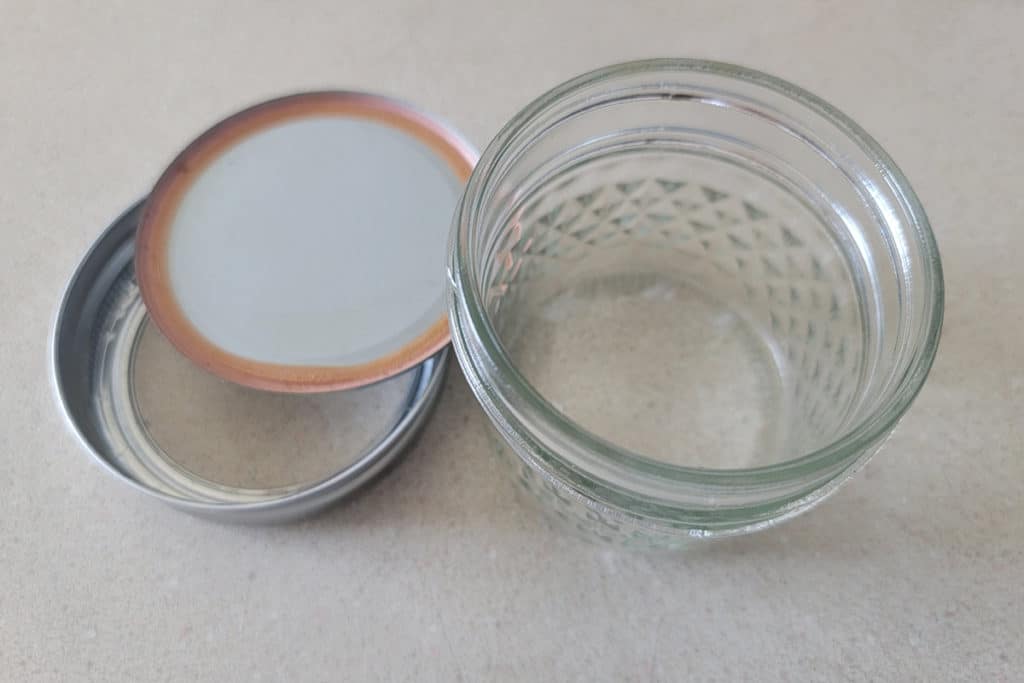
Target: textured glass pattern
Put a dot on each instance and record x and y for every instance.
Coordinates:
(642, 227)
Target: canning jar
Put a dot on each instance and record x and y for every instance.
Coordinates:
(691, 298)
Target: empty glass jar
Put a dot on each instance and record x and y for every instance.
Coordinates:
(692, 298)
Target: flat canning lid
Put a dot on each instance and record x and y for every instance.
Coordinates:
(298, 245)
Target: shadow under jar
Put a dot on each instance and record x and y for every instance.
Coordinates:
(692, 299)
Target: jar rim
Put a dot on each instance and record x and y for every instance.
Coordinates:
(466, 294)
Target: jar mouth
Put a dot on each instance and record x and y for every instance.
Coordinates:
(514, 402)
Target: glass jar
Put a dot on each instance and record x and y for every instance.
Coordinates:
(691, 298)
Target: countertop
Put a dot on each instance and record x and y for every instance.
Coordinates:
(437, 572)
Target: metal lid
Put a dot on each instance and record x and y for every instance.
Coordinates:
(298, 245)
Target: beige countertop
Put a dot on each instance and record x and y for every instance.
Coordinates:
(913, 571)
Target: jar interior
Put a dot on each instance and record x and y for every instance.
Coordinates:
(689, 301)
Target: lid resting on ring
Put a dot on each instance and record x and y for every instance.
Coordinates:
(299, 245)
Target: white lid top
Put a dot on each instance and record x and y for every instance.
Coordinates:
(299, 245)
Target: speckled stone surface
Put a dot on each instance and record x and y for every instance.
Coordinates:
(437, 572)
